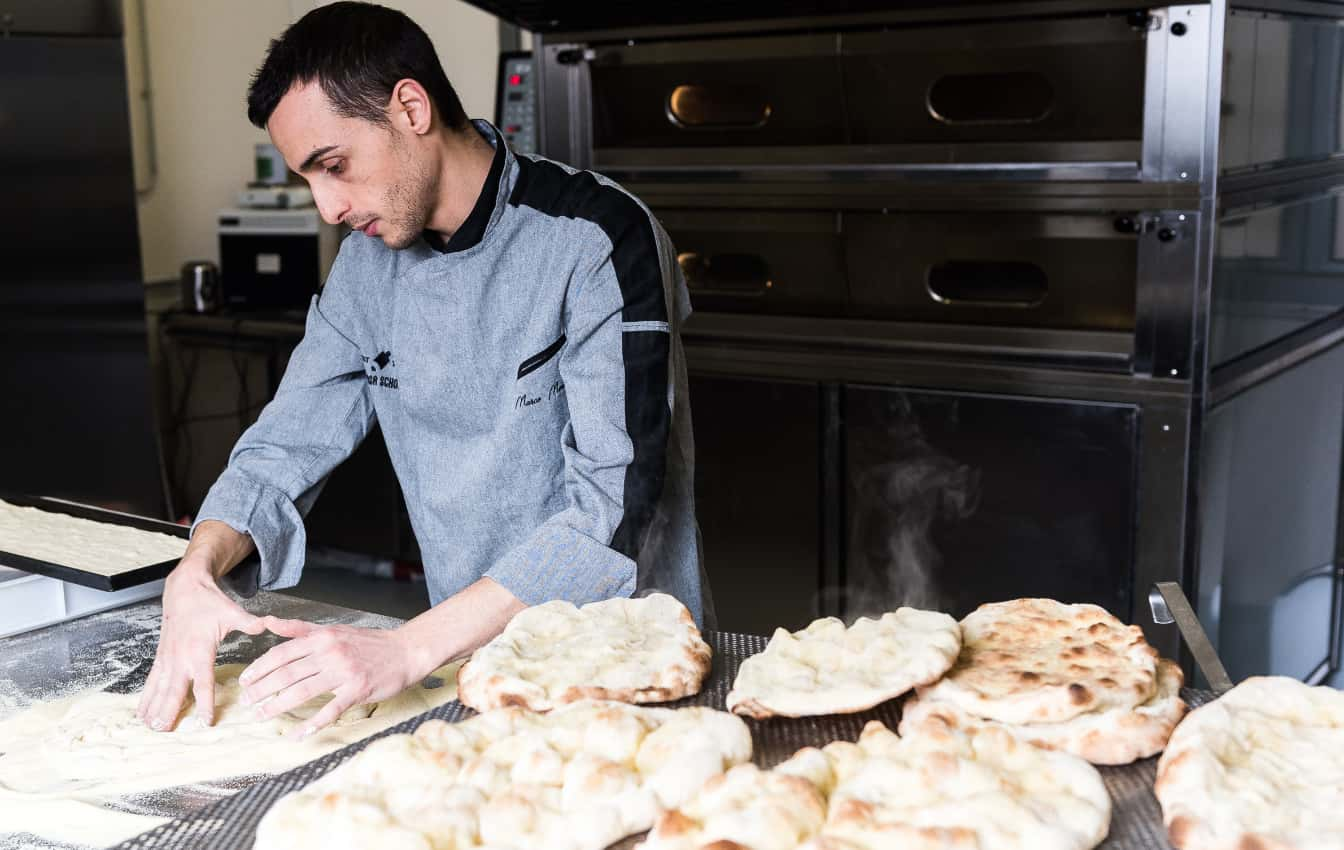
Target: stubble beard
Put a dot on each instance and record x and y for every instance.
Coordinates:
(411, 198)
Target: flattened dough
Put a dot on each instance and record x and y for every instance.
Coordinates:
(59, 758)
(102, 548)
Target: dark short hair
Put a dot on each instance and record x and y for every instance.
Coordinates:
(357, 52)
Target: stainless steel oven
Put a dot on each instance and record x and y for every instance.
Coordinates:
(952, 266)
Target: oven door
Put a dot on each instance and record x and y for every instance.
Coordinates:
(1009, 91)
(1037, 271)
(957, 499)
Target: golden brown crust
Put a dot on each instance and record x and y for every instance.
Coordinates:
(1180, 831)
(1042, 661)
(677, 668)
(1108, 737)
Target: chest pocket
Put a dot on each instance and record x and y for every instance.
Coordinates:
(541, 358)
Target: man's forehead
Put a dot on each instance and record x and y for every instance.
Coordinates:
(302, 121)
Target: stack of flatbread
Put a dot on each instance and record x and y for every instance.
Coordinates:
(942, 787)
(1261, 768)
(578, 778)
(827, 668)
(1065, 677)
(630, 650)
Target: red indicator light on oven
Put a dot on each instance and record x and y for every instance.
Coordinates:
(515, 79)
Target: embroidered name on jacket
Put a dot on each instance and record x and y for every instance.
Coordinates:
(381, 370)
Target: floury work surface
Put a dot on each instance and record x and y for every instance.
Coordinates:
(1136, 822)
(113, 651)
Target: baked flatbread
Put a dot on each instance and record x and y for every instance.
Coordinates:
(1260, 768)
(746, 808)
(629, 650)
(943, 789)
(1112, 736)
(827, 668)
(1042, 661)
(578, 778)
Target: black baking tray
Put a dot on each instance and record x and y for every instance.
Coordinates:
(230, 823)
(120, 581)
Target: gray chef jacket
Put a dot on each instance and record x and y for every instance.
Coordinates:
(529, 380)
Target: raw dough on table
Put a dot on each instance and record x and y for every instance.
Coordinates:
(60, 760)
(102, 548)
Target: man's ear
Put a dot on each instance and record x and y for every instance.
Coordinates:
(410, 107)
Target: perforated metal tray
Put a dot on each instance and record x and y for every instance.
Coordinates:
(230, 824)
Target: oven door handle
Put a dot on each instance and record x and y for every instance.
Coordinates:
(987, 283)
(739, 275)
(696, 107)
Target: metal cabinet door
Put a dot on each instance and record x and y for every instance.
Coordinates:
(757, 494)
(954, 500)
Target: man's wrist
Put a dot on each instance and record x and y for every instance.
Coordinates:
(194, 568)
(423, 654)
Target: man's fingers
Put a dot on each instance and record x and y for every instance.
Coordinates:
(249, 624)
(288, 628)
(323, 718)
(295, 695)
(203, 689)
(149, 694)
(273, 659)
(279, 679)
(168, 703)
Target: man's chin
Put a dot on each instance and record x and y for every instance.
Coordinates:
(398, 241)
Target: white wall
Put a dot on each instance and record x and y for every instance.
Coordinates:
(201, 57)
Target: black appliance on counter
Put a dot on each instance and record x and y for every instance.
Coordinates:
(274, 259)
(77, 403)
(957, 269)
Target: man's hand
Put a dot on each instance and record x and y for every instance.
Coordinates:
(360, 666)
(197, 615)
(355, 665)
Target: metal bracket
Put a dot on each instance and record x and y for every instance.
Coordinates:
(1170, 605)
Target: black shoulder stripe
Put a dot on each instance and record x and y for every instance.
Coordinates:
(549, 189)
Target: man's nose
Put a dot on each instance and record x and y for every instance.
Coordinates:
(330, 206)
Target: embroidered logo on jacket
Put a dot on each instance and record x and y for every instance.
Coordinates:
(381, 370)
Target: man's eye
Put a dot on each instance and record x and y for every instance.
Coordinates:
(335, 168)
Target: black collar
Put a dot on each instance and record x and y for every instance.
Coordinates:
(473, 228)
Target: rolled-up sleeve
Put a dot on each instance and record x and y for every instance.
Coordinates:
(615, 367)
(321, 412)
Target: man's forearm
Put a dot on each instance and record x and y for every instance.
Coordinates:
(215, 548)
(458, 625)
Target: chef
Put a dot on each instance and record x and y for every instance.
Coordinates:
(509, 322)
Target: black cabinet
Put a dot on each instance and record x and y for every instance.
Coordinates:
(757, 493)
(953, 500)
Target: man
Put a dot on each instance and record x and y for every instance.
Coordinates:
(510, 323)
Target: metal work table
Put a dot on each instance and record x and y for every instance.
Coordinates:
(117, 647)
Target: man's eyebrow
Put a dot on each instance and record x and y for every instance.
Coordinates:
(313, 157)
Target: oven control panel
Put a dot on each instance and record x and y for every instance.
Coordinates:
(516, 101)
